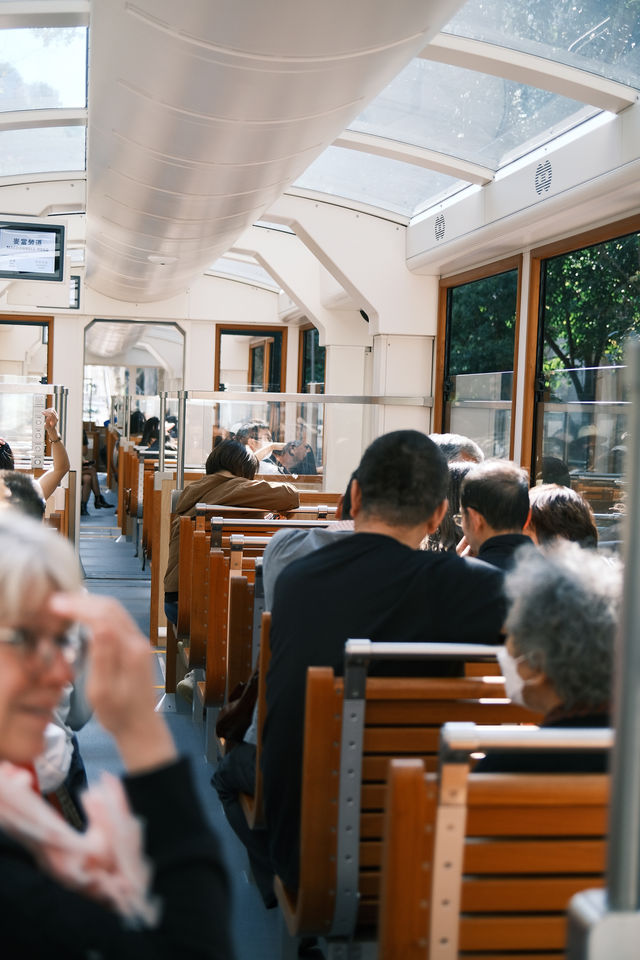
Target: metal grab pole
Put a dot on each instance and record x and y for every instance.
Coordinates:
(161, 428)
(182, 432)
(624, 827)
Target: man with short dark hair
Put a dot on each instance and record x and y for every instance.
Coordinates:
(373, 584)
(494, 500)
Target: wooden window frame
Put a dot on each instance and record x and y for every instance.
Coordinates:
(588, 238)
(459, 280)
(259, 328)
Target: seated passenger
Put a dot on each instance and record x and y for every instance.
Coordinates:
(256, 435)
(230, 471)
(236, 771)
(558, 512)
(558, 658)
(298, 458)
(494, 503)
(376, 584)
(117, 891)
(90, 482)
(51, 479)
(457, 447)
(449, 533)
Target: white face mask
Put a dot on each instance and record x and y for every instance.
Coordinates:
(512, 680)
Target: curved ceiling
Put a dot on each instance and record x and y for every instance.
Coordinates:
(201, 113)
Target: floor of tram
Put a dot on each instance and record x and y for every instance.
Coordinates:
(111, 567)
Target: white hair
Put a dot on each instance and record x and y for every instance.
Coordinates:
(33, 561)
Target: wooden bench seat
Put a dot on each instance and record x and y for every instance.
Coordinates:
(348, 742)
(509, 850)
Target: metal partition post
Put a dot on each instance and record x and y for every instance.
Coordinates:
(126, 426)
(63, 414)
(182, 434)
(348, 860)
(624, 842)
(161, 434)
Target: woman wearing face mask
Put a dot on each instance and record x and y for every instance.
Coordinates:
(145, 880)
(558, 658)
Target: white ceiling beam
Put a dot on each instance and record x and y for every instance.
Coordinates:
(534, 71)
(44, 13)
(31, 119)
(419, 156)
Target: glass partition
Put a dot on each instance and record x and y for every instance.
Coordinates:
(21, 420)
(322, 439)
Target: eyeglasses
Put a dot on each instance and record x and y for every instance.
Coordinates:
(72, 644)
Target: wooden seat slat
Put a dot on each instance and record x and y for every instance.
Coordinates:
(431, 712)
(534, 856)
(587, 790)
(540, 818)
(519, 894)
(508, 933)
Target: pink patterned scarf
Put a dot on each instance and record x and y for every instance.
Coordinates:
(107, 863)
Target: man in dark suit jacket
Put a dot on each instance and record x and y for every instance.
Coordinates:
(374, 584)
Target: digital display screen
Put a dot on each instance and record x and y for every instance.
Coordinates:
(31, 251)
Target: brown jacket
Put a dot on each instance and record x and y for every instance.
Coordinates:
(224, 488)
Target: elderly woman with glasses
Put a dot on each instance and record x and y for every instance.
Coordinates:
(558, 657)
(145, 880)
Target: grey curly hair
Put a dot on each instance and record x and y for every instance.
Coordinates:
(33, 561)
(563, 615)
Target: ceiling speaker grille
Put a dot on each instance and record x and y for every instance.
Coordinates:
(544, 176)
(439, 227)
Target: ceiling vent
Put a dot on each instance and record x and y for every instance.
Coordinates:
(544, 175)
(439, 227)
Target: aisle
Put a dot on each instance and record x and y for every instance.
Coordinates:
(111, 568)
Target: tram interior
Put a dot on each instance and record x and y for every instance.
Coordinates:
(340, 221)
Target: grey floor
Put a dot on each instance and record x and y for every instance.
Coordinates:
(111, 567)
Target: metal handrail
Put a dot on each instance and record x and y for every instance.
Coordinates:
(367, 650)
(471, 737)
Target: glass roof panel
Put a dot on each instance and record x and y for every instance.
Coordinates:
(41, 150)
(469, 115)
(43, 68)
(250, 272)
(366, 178)
(600, 36)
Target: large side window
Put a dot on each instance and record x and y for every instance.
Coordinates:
(589, 304)
(312, 361)
(479, 343)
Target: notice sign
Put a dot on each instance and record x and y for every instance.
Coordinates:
(29, 253)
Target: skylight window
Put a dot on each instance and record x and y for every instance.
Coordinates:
(597, 35)
(377, 181)
(468, 115)
(41, 150)
(43, 68)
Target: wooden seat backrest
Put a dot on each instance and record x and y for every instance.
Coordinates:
(403, 717)
(531, 842)
(526, 844)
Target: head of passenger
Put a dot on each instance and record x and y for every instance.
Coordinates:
(254, 433)
(34, 659)
(401, 485)
(561, 625)
(449, 532)
(234, 457)
(559, 512)
(554, 470)
(23, 493)
(150, 431)
(6, 456)
(494, 500)
(292, 454)
(455, 446)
